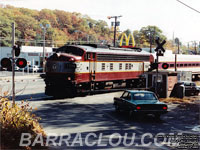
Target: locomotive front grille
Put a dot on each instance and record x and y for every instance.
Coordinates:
(60, 67)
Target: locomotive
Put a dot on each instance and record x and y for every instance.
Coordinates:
(75, 69)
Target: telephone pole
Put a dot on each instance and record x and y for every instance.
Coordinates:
(116, 23)
(13, 63)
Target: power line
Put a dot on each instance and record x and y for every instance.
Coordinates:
(188, 6)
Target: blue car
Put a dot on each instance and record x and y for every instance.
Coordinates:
(140, 103)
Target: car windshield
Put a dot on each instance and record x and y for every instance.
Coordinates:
(144, 96)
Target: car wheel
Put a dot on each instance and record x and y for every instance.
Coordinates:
(117, 109)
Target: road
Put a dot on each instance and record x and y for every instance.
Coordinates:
(94, 115)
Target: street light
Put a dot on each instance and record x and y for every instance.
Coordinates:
(44, 28)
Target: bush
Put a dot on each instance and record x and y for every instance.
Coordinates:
(15, 120)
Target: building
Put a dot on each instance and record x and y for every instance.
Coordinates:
(33, 54)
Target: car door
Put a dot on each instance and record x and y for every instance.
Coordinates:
(127, 104)
(124, 99)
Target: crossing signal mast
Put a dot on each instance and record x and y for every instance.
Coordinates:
(11, 62)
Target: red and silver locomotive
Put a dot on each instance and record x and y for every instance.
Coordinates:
(79, 68)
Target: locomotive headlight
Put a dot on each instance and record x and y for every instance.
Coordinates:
(71, 59)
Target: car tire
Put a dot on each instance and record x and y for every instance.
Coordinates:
(117, 109)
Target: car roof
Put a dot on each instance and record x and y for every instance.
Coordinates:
(138, 91)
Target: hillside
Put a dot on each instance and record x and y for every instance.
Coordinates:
(64, 26)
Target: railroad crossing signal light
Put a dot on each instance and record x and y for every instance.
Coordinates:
(17, 50)
(6, 63)
(165, 65)
(153, 66)
(21, 62)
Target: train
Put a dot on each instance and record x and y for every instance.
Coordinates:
(74, 69)
(83, 68)
(180, 62)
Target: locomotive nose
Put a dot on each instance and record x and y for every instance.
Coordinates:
(60, 64)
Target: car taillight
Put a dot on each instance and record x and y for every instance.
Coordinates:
(138, 107)
(165, 108)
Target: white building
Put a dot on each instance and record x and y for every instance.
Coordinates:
(33, 54)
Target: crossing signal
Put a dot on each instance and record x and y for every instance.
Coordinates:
(17, 50)
(153, 66)
(6, 63)
(165, 65)
(21, 62)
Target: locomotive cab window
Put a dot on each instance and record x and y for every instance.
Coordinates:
(71, 50)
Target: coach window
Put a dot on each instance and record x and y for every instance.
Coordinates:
(185, 65)
(189, 64)
(111, 66)
(181, 65)
(126, 67)
(193, 64)
(103, 66)
(171, 65)
(120, 66)
(129, 66)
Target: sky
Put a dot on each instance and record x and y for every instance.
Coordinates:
(170, 16)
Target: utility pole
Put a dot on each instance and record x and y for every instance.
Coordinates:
(151, 37)
(44, 28)
(116, 23)
(13, 63)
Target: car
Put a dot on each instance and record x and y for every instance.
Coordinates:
(31, 68)
(17, 68)
(190, 88)
(139, 103)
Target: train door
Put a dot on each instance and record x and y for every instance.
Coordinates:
(92, 69)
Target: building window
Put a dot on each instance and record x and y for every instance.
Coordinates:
(126, 67)
(36, 63)
(120, 66)
(111, 66)
(103, 66)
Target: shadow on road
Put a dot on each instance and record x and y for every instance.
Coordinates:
(71, 118)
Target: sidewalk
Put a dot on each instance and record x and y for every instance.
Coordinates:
(18, 76)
